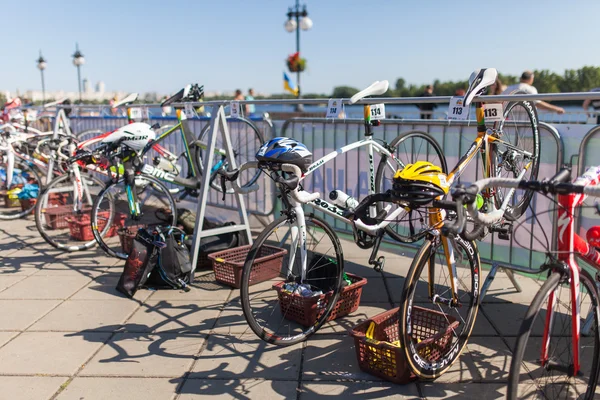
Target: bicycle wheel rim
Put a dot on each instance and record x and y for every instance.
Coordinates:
(409, 148)
(431, 360)
(113, 226)
(520, 129)
(56, 212)
(11, 207)
(275, 315)
(528, 378)
(246, 139)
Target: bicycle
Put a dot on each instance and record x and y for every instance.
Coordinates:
(562, 362)
(451, 289)
(27, 156)
(119, 196)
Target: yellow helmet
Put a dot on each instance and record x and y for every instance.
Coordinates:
(419, 183)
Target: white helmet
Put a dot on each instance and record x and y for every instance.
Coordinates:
(135, 136)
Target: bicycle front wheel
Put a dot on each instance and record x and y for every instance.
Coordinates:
(434, 328)
(518, 148)
(408, 148)
(22, 175)
(530, 379)
(246, 139)
(112, 224)
(56, 214)
(277, 309)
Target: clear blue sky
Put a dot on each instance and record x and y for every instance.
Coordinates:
(159, 46)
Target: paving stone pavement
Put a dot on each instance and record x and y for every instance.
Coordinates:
(66, 333)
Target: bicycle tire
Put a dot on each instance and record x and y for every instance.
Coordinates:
(517, 115)
(7, 212)
(252, 288)
(407, 149)
(516, 386)
(431, 361)
(53, 229)
(113, 199)
(242, 142)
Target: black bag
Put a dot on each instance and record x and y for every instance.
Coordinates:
(142, 259)
(156, 260)
(174, 267)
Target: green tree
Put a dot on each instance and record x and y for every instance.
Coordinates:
(546, 81)
(344, 92)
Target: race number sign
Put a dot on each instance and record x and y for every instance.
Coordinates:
(377, 111)
(493, 112)
(334, 107)
(234, 109)
(456, 110)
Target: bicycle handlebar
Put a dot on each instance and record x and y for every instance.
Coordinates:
(292, 183)
(556, 185)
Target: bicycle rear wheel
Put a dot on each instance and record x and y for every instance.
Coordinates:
(10, 206)
(528, 378)
(408, 148)
(112, 223)
(427, 311)
(246, 139)
(274, 314)
(55, 211)
(519, 134)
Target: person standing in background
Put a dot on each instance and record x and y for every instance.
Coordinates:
(526, 86)
(497, 88)
(250, 108)
(595, 105)
(427, 108)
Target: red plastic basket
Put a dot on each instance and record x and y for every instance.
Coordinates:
(126, 236)
(305, 310)
(81, 229)
(56, 216)
(229, 264)
(381, 354)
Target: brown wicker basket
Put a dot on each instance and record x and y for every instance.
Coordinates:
(382, 355)
(305, 310)
(229, 264)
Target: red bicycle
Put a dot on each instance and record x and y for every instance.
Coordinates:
(552, 358)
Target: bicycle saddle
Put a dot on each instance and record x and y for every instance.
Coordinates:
(479, 80)
(129, 99)
(378, 87)
(192, 92)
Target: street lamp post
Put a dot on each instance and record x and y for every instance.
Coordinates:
(78, 61)
(294, 23)
(41, 64)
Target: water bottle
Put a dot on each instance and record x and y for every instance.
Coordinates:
(342, 200)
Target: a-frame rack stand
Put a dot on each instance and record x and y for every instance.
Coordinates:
(218, 123)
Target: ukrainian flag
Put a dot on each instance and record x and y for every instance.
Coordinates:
(288, 85)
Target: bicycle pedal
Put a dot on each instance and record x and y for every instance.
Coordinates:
(504, 231)
(378, 264)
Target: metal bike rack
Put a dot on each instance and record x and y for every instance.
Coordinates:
(218, 122)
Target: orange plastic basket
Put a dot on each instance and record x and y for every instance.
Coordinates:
(382, 356)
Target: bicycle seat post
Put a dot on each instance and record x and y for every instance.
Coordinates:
(368, 124)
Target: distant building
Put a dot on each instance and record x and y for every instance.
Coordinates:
(86, 86)
(100, 87)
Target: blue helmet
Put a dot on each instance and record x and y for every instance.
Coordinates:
(285, 150)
